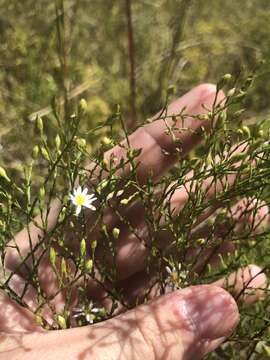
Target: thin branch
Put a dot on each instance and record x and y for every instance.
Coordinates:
(131, 58)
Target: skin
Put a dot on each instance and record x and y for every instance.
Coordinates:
(183, 324)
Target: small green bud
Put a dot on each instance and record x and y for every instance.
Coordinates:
(61, 321)
(119, 193)
(200, 241)
(82, 105)
(81, 142)
(89, 265)
(266, 350)
(102, 185)
(94, 244)
(203, 117)
(57, 142)
(52, 256)
(3, 174)
(110, 196)
(83, 248)
(246, 130)
(116, 233)
(106, 141)
(231, 92)
(124, 201)
(39, 320)
(35, 152)
(261, 133)
(41, 193)
(45, 153)
(227, 77)
(39, 122)
(63, 267)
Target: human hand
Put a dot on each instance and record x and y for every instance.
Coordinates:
(185, 324)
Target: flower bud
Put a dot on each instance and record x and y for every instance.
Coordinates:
(44, 153)
(39, 123)
(201, 241)
(83, 248)
(116, 233)
(106, 141)
(61, 321)
(63, 267)
(231, 92)
(57, 142)
(41, 193)
(35, 152)
(52, 256)
(39, 320)
(3, 174)
(81, 142)
(93, 244)
(82, 105)
(246, 130)
(227, 77)
(124, 201)
(89, 265)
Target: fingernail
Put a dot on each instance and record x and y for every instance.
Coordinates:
(211, 312)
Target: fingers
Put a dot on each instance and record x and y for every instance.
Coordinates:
(184, 325)
(243, 220)
(132, 247)
(248, 283)
(152, 139)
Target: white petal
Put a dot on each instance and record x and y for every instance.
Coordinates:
(85, 191)
(91, 196)
(72, 198)
(79, 190)
(77, 315)
(78, 210)
(89, 206)
(95, 310)
(90, 200)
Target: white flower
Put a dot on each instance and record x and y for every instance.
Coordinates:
(80, 198)
(176, 276)
(89, 313)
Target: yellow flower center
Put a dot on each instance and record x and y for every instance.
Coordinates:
(80, 200)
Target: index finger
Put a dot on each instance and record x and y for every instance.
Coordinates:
(157, 146)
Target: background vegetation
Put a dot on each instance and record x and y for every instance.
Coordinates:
(175, 42)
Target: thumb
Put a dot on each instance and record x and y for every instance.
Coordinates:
(185, 324)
